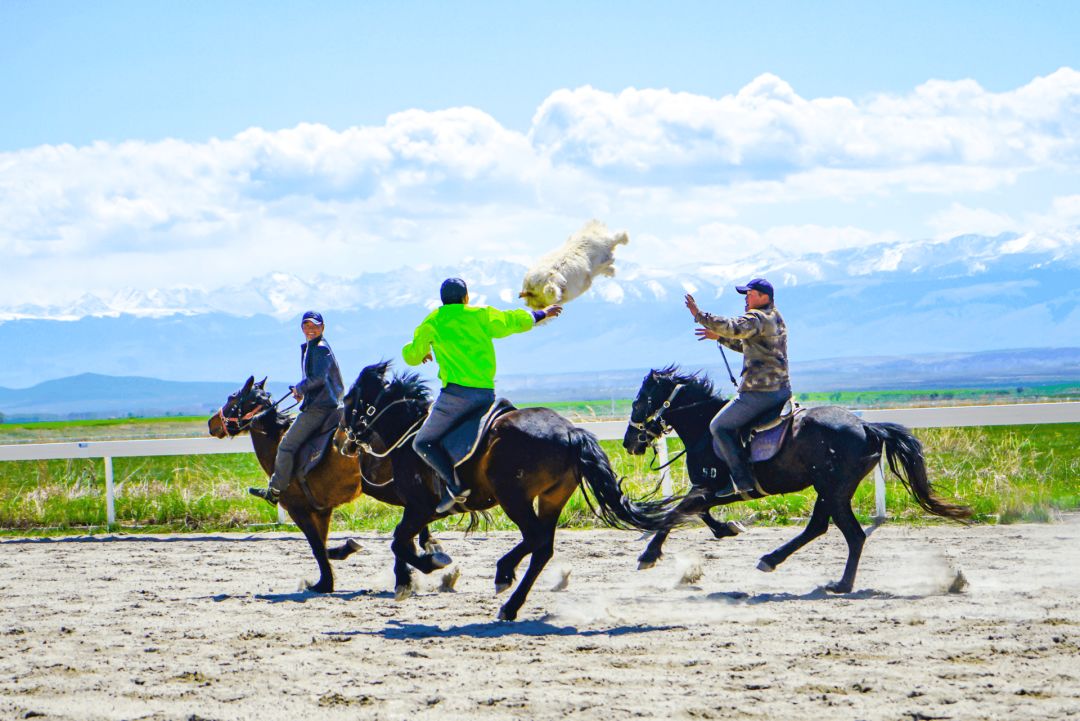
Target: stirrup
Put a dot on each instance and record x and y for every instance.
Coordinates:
(449, 500)
(735, 490)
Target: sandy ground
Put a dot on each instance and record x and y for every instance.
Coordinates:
(185, 628)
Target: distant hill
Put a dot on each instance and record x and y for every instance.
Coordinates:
(91, 395)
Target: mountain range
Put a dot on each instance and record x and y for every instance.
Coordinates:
(91, 395)
(909, 300)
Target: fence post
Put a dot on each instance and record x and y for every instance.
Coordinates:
(110, 498)
(879, 490)
(662, 459)
(282, 518)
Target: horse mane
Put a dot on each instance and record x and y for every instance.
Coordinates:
(697, 379)
(411, 386)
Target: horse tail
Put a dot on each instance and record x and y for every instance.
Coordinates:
(905, 453)
(608, 502)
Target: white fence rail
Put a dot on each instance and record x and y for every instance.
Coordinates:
(943, 417)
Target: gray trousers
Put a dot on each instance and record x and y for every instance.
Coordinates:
(454, 403)
(736, 413)
(303, 428)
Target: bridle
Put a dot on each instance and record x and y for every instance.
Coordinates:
(244, 421)
(369, 416)
(647, 435)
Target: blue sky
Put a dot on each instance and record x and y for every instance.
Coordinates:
(75, 72)
(160, 145)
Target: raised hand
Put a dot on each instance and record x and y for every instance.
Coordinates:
(691, 304)
(706, 334)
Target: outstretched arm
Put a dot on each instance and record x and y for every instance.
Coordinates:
(501, 323)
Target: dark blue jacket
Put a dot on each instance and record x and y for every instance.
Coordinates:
(322, 386)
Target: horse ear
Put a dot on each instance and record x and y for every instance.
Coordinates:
(248, 384)
(262, 383)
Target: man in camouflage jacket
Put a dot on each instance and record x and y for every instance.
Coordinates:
(761, 336)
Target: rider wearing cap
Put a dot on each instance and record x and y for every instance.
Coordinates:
(459, 336)
(320, 393)
(761, 336)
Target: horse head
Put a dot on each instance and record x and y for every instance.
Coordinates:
(359, 406)
(240, 409)
(661, 393)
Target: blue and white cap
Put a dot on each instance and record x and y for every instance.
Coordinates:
(312, 315)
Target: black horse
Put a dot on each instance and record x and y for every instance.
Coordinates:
(530, 462)
(829, 448)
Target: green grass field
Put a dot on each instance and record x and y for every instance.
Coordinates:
(1006, 473)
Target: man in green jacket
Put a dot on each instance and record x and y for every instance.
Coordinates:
(459, 336)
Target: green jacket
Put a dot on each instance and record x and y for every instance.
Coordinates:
(461, 335)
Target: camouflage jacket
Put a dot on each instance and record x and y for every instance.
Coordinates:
(761, 336)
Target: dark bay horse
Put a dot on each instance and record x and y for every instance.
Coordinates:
(530, 463)
(335, 481)
(829, 448)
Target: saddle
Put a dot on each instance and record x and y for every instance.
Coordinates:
(766, 434)
(313, 450)
(464, 438)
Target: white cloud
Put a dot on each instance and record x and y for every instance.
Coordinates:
(680, 172)
(959, 219)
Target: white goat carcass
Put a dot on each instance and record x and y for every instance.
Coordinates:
(566, 273)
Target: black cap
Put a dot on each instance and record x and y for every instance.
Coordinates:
(759, 284)
(453, 290)
(312, 315)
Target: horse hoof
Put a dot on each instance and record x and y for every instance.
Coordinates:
(644, 564)
(440, 560)
(838, 587)
(736, 527)
(765, 566)
(402, 592)
(353, 545)
(500, 587)
(507, 615)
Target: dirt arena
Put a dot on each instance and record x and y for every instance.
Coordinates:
(187, 628)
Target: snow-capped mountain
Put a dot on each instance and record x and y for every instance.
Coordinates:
(969, 293)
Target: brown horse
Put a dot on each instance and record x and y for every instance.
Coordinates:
(337, 479)
(529, 463)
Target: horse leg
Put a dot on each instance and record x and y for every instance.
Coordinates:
(506, 568)
(539, 534)
(694, 503)
(428, 542)
(818, 524)
(340, 553)
(722, 529)
(652, 552)
(855, 537)
(405, 554)
(315, 526)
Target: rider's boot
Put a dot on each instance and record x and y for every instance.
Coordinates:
(439, 460)
(269, 494)
(742, 482)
